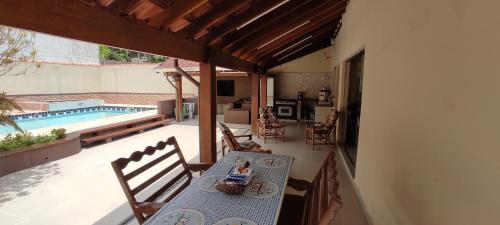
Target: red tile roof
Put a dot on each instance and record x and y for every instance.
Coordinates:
(186, 65)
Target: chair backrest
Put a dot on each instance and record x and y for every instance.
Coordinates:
(331, 119)
(312, 207)
(229, 138)
(175, 180)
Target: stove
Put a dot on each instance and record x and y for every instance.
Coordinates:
(286, 108)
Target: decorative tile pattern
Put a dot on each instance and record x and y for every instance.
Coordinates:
(270, 162)
(207, 183)
(183, 217)
(36, 115)
(217, 207)
(237, 159)
(261, 188)
(235, 221)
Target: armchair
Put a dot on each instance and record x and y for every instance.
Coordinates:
(321, 132)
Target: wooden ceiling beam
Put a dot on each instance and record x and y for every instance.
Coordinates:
(292, 45)
(293, 6)
(300, 53)
(234, 21)
(82, 21)
(279, 26)
(317, 15)
(314, 28)
(218, 13)
(177, 11)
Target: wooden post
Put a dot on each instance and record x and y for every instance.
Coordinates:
(255, 102)
(178, 98)
(263, 91)
(207, 116)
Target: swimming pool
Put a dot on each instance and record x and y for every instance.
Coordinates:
(31, 121)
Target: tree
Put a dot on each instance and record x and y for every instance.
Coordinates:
(7, 106)
(17, 51)
(126, 56)
(17, 54)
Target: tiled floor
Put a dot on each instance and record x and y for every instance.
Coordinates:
(83, 189)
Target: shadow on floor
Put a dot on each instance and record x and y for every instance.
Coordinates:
(18, 184)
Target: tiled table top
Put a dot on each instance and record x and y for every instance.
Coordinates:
(260, 204)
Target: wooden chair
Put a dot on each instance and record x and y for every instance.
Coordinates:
(145, 208)
(229, 140)
(271, 127)
(321, 132)
(321, 199)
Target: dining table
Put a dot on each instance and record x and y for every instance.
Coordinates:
(259, 204)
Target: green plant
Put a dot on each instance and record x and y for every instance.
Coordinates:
(22, 140)
(123, 55)
(17, 50)
(6, 107)
(58, 133)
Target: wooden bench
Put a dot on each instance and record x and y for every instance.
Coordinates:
(174, 177)
(108, 132)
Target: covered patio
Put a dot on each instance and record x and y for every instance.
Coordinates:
(415, 82)
(246, 36)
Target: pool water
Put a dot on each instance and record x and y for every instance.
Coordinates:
(42, 122)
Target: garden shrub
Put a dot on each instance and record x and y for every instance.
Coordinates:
(22, 140)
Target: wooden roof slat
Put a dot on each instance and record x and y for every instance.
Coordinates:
(291, 45)
(303, 52)
(78, 20)
(319, 12)
(121, 7)
(289, 20)
(250, 29)
(177, 11)
(234, 21)
(253, 53)
(210, 18)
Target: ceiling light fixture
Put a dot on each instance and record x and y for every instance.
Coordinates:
(305, 46)
(295, 28)
(262, 14)
(291, 46)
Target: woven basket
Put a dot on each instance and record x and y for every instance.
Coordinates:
(231, 189)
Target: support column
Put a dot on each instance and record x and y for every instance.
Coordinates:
(263, 91)
(178, 98)
(207, 113)
(254, 113)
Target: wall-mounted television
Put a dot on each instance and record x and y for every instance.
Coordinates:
(225, 88)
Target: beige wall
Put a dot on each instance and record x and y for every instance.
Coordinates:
(139, 79)
(429, 148)
(288, 84)
(317, 62)
(53, 78)
(309, 74)
(242, 89)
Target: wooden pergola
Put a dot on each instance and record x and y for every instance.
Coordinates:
(246, 35)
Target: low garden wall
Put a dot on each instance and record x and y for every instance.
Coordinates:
(35, 155)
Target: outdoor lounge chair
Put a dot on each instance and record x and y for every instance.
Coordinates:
(229, 140)
(270, 127)
(175, 177)
(321, 132)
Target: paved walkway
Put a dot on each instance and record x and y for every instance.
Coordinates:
(82, 188)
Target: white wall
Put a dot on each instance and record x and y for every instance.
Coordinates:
(62, 50)
(428, 147)
(139, 79)
(53, 78)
